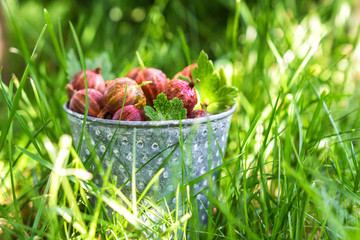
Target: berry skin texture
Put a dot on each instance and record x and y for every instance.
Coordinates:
(198, 113)
(133, 73)
(96, 102)
(151, 90)
(94, 80)
(115, 92)
(186, 72)
(182, 90)
(130, 113)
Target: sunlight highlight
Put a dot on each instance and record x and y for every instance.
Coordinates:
(343, 15)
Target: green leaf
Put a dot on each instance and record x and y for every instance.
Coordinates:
(223, 80)
(216, 107)
(227, 97)
(165, 109)
(209, 80)
(177, 110)
(213, 89)
(152, 114)
(227, 94)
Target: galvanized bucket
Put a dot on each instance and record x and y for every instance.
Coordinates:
(186, 149)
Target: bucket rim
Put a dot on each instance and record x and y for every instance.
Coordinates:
(147, 124)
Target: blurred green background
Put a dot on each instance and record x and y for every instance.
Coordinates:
(122, 27)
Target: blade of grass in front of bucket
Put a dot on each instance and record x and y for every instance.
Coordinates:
(82, 62)
(149, 185)
(133, 186)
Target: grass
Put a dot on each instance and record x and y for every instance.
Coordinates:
(291, 168)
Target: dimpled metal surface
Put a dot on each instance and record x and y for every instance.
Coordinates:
(157, 146)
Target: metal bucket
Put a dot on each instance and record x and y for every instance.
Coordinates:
(158, 145)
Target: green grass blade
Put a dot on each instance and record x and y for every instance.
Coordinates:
(234, 37)
(55, 42)
(17, 97)
(133, 174)
(315, 45)
(141, 62)
(35, 157)
(18, 217)
(185, 46)
(19, 118)
(329, 115)
(149, 185)
(17, 31)
(60, 159)
(137, 223)
(261, 164)
(82, 62)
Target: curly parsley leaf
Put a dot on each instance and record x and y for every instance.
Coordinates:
(166, 110)
(212, 88)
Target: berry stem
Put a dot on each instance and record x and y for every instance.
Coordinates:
(70, 90)
(191, 84)
(142, 65)
(98, 70)
(103, 113)
(144, 83)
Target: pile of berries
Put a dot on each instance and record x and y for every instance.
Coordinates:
(138, 88)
